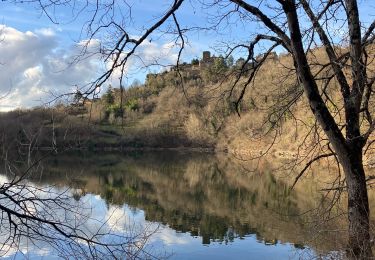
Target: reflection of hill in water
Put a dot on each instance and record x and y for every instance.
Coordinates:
(199, 193)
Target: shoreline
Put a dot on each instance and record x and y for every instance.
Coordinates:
(242, 154)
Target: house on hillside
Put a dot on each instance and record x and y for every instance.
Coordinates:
(207, 60)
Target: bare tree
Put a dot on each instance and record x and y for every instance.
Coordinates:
(349, 58)
(37, 214)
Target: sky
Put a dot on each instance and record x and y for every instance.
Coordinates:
(38, 53)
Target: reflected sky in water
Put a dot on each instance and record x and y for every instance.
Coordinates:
(166, 241)
(201, 207)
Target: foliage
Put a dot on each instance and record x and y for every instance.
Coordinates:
(132, 105)
(108, 97)
(194, 62)
(77, 97)
(229, 61)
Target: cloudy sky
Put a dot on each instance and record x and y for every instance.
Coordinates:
(37, 60)
(38, 53)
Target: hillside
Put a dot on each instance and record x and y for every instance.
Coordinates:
(192, 106)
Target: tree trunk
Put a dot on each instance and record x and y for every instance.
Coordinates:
(358, 207)
(348, 150)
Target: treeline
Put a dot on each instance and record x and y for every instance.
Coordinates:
(24, 132)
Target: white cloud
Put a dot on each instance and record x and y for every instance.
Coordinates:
(33, 66)
(33, 73)
(171, 237)
(162, 53)
(48, 32)
(116, 218)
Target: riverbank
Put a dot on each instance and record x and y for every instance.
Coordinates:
(244, 154)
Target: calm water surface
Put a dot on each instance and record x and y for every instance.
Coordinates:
(201, 206)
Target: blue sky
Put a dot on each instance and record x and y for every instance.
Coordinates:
(37, 53)
(53, 45)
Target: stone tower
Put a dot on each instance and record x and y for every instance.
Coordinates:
(206, 56)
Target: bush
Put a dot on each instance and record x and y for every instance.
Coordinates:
(132, 105)
(196, 130)
(194, 62)
(116, 110)
(109, 97)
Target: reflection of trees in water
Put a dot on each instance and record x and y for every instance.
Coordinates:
(39, 220)
(215, 199)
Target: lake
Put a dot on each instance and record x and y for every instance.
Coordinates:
(195, 205)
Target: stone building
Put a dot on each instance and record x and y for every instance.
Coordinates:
(207, 60)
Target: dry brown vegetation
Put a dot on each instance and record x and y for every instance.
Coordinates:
(25, 131)
(192, 108)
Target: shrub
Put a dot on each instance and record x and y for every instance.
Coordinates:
(132, 105)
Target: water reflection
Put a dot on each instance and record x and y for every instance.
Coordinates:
(198, 199)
